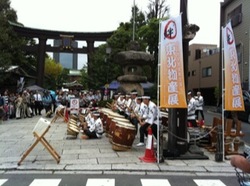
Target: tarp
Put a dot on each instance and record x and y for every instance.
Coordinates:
(34, 88)
(114, 85)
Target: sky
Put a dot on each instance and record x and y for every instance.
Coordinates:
(105, 15)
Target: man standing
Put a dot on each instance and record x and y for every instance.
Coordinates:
(199, 106)
(38, 103)
(191, 110)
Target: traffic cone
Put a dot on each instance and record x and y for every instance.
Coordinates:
(149, 156)
(66, 115)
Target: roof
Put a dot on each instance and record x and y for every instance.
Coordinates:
(74, 73)
(34, 32)
(72, 84)
(115, 85)
(17, 70)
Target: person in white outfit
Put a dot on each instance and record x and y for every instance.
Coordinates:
(149, 119)
(199, 106)
(191, 110)
(95, 129)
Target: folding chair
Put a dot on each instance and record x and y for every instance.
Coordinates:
(39, 131)
(59, 113)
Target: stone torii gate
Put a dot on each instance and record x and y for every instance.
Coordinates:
(41, 48)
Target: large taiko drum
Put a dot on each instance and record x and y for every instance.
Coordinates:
(111, 115)
(123, 137)
(73, 129)
(104, 112)
(113, 125)
(60, 110)
(111, 130)
(81, 117)
(74, 117)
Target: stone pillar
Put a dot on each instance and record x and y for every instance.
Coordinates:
(41, 61)
(90, 49)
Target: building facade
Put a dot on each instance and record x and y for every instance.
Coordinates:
(238, 12)
(67, 60)
(203, 71)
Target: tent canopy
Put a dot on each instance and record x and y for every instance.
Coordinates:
(114, 85)
(34, 88)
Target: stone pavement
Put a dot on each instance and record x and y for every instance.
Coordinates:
(88, 156)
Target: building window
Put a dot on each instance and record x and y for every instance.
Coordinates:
(188, 73)
(193, 72)
(207, 72)
(239, 52)
(236, 16)
(197, 54)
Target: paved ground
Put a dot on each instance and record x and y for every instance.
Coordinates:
(79, 155)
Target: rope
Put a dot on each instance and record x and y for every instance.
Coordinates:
(194, 139)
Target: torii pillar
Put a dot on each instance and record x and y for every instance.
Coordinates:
(41, 60)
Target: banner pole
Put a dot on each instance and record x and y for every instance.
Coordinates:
(223, 96)
(159, 128)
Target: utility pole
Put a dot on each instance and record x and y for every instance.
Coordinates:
(134, 22)
(182, 146)
(178, 117)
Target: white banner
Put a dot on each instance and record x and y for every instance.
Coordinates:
(233, 91)
(172, 87)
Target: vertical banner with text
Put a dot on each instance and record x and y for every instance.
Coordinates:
(172, 87)
(233, 91)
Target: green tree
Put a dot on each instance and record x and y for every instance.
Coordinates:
(157, 9)
(84, 78)
(10, 51)
(150, 35)
(105, 69)
(52, 73)
(62, 78)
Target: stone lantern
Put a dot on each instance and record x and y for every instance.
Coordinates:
(132, 62)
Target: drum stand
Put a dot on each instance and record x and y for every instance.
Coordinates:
(41, 128)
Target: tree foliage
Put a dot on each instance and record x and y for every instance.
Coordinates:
(10, 51)
(144, 26)
(157, 9)
(105, 70)
(52, 71)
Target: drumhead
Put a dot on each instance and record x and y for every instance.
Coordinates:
(164, 114)
(105, 110)
(125, 125)
(121, 119)
(115, 115)
(74, 129)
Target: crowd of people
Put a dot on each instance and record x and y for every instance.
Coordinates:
(28, 103)
(140, 110)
